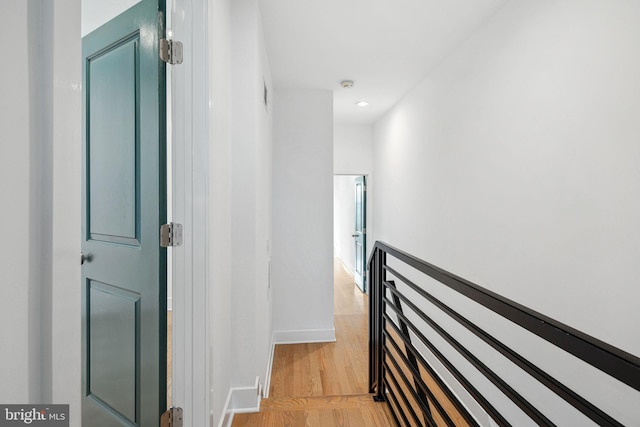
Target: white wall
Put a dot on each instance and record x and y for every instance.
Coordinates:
(352, 149)
(344, 220)
(514, 164)
(302, 273)
(40, 122)
(19, 174)
(96, 13)
(250, 197)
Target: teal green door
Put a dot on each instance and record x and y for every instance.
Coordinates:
(124, 204)
(361, 232)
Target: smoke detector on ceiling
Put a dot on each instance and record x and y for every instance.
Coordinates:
(346, 84)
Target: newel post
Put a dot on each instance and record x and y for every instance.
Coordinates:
(376, 324)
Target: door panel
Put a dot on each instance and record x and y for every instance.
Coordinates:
(114, 357)
(113, 189)
(124, 192)
(361, 232)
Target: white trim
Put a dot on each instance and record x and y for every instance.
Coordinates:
(191, 340)
(227, 419)
(267, 377)
(61, 45)
(246, 399)
(170, 304)
(240, 400)
(304, 336)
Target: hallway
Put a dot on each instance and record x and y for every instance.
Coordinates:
(324, 384)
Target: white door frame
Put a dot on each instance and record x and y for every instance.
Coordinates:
(191, 382)
(189, 101)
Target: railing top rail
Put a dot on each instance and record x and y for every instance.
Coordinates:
(619, 364)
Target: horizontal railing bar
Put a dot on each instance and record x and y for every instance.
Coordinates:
(408, 404)
(575, 400)
(443, 413)
(508, 391)
(482, 401)
(619, 364)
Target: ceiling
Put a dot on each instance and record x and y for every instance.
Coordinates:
(385, 46)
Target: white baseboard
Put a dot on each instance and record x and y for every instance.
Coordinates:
(246, 399)
(240, 400)
(304, 336)
(169, 303)
(227, 414)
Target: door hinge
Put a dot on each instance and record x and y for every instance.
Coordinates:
(171, 418)
(170, 235)
(171, 51)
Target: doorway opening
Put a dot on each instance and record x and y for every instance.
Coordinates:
(120, 339)
(350, 225)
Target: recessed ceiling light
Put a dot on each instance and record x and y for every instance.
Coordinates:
(362, 103)
(346, 84)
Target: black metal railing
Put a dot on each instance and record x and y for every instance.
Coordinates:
(411, 353)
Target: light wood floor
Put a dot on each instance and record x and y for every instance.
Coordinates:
(328, 369)
(324, 384)
(321, 411)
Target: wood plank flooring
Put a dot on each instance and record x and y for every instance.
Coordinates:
(328, 369)
(324, 384)
(320, 411)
